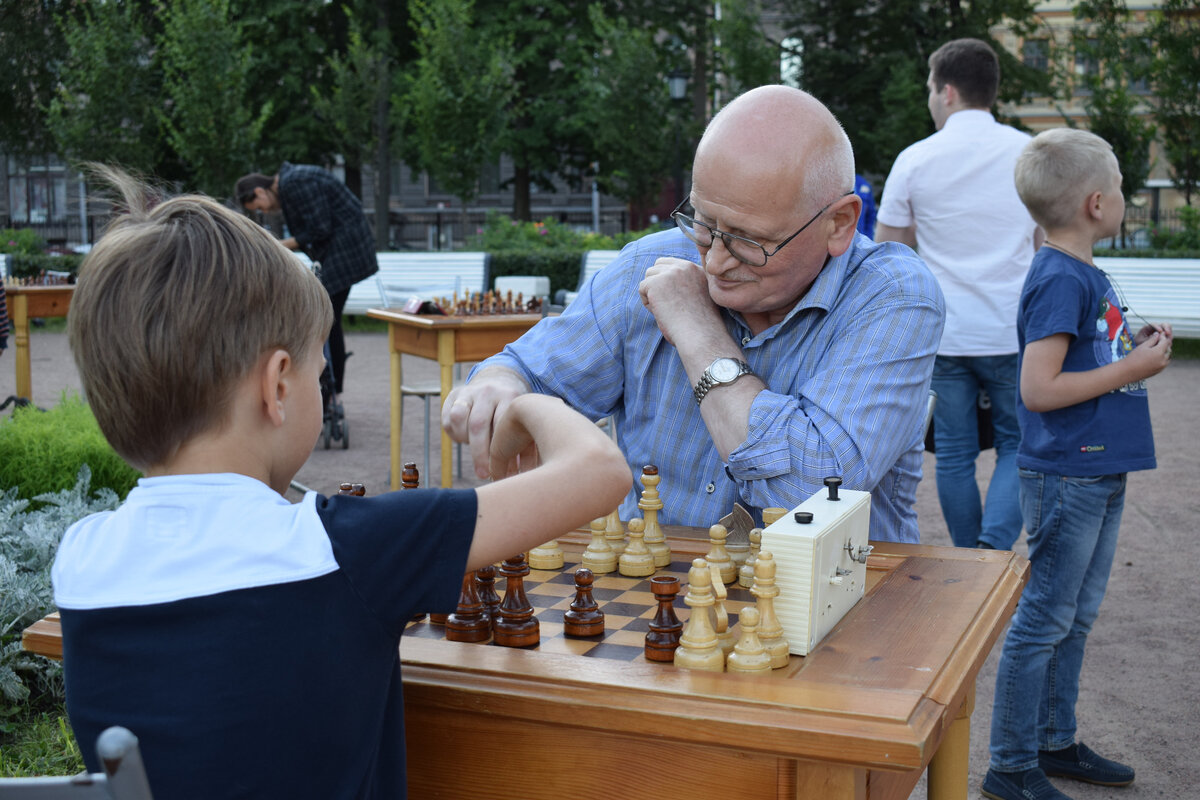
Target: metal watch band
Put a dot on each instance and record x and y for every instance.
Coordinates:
(707, 381)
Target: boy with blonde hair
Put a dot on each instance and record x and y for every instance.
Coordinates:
(1085, 423)
(252, 644)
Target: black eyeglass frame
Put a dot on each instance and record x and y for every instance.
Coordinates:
(715, 233)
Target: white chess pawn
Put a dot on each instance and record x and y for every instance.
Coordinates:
(718, 556)
(599, 557)
(698, 646)
(614, 532)
(637, 560)
(770, 630)
(746, 570)
(749, 655)
(546, 556)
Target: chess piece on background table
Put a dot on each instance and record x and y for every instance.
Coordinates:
(746, 570)
(468, 623)
(698, 645)
(749, 655)
(547, 556)
(718, 556)
(599, 557)
(485, 585)
(584, 617)
(770, 630)
(516, 626)
(637, 561)
(665, 629)
(352, 489)
(650, 503)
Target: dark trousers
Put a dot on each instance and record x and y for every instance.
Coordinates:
(337, 342)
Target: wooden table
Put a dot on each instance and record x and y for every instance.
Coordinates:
(25, 303)
(449, 341)
(888, 693)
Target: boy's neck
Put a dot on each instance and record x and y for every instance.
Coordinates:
(1072, 241)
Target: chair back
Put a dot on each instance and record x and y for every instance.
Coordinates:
(124, 776)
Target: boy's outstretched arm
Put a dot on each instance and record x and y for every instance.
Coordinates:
(562, 472)
(1045, 387)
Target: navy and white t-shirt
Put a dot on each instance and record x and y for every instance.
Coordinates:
(1106, 435)
(252, 644)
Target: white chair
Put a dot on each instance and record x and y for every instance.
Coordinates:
(124, 776)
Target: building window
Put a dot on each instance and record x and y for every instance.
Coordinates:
(37, 191)
(1086, 66)
(1035, 54)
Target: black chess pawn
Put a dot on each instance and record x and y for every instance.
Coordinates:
(516, 626)
(584, 618)
(485, 584)
(665, 628)
(468, 623)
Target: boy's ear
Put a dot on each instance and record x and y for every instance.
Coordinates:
(274, 375)
(1093, 206)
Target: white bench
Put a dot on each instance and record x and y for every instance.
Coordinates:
(593, 261)
(426, 275)
(1158, 289)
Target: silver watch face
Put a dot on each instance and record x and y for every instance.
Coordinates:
(723, 370)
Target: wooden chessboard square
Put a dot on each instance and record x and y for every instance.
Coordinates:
(617, 652)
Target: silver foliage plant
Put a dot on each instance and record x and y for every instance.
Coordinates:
(28, 541)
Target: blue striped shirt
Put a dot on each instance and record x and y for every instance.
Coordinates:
(847, 374)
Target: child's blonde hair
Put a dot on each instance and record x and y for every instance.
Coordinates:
(174, 306)
(1057, 170)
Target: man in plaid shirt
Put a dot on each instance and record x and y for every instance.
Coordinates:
(326, 221)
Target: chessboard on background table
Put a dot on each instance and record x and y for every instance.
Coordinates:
(887, 693)
(449, 340)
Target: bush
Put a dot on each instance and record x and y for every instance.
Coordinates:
(23, 241)
(561, 266)
(28, 541)
(1186, 239)
(42, 451)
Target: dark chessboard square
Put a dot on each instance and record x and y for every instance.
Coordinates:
(425, 630)
(551, 614)
(603, 594)
(639, 625)
(625, 609)
(615, 652)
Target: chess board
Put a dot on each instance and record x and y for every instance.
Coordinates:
(628, 605)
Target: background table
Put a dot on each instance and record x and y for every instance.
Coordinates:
(25, 303)
(449, 341)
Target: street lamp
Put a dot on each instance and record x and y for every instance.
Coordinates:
(677, 88)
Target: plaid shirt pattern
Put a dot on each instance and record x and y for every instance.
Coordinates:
(328, 222)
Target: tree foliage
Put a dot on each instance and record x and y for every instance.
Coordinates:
(29, 36)
(109, 89)
(211, 122)
(868, 62)
(1176, 76)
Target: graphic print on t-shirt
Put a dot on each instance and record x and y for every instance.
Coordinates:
(1114, 341)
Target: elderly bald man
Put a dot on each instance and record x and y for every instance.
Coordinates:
(757, 348)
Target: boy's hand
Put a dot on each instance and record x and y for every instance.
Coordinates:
(1154, 353)
(1150, 329)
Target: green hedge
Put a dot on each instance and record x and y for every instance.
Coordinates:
(1148, 252)
(32, 266)
(560, 266)
(42, 451)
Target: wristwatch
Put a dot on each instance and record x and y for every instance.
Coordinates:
(721, 371)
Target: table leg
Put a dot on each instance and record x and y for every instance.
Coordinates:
(397, 463)
(445, 348)
(948, 767)
(20, 326)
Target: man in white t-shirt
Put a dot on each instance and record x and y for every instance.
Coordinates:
(952, 197)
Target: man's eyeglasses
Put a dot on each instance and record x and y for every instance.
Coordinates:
(745, 250)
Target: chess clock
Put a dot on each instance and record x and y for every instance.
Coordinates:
(820, 551)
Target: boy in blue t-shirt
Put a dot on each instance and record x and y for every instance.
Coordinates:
(1085, 423)
(252, 644)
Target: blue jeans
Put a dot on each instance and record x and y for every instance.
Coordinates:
(1072, 525)
(957, 381)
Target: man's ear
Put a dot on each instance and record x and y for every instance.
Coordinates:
(275, 385)
(844, 215)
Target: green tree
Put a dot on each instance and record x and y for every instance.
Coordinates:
(1176, 76)
(110, 89)
(29, 39)
(210, 121)
(454, 102)
(1113, 61)
(868, 61)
